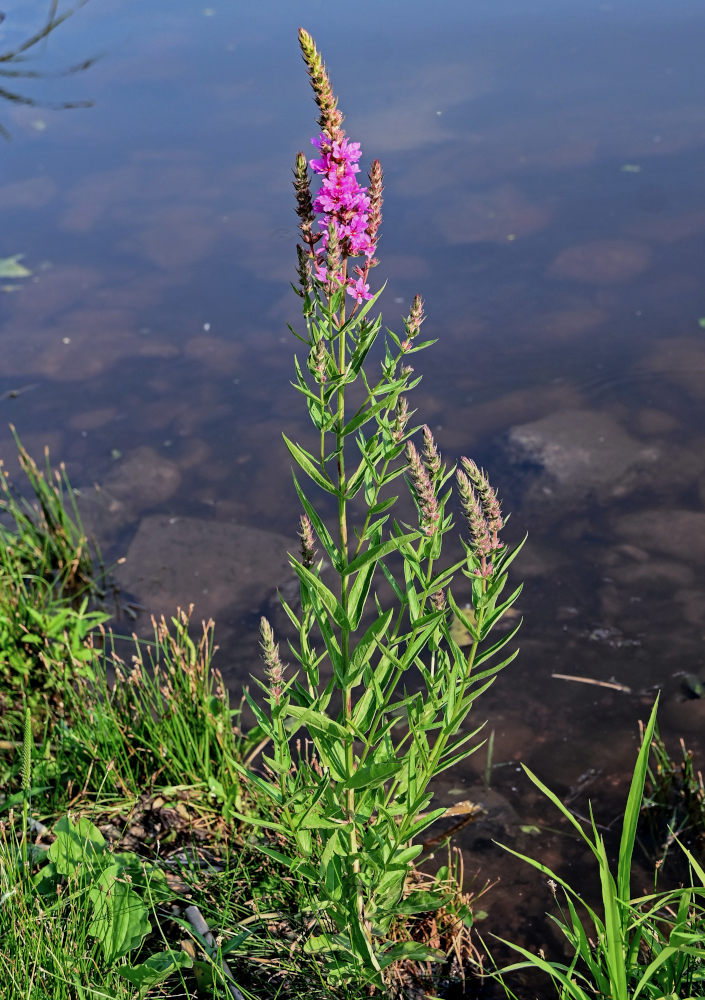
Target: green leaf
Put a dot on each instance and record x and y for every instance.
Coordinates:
(359, 593)
(373, 774)
(317, 721)
(632, 810)
(383, 505)
(327, 596)
(318, 525)
(76, 843)
(412, 951)
(377, 552)
(119, 919)
(361, 655)
(422, 901)
(364, 414)
(10, 267)
(306, 461)
(156, 969)
(571, 989)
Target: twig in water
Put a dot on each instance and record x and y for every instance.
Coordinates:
(614, 685)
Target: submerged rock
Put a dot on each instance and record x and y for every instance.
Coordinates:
(679, 534)
(579, 453)
(177, 561)
(141, 479)
(602, 262)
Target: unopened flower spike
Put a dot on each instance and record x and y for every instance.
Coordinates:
(415, 318)
(431, 456)
(474, 515)
(374, 212)
(438, 600)
(401, 419)
(304, 270)
(331, 119)
(272, 660)
(488, 498)
(304, 201)
(318, 360)
(423, 489)
(308, 550)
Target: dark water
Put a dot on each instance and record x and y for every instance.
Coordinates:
(543, 168)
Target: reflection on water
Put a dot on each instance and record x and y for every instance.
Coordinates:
(544, 192)
(20, 69)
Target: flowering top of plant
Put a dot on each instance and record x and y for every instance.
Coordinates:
(349, 214)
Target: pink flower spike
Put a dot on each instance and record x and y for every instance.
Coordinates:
(359, 290)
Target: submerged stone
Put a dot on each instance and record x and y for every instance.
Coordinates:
(177, 561)
(679, 534)
(579, 453)
(602, 262)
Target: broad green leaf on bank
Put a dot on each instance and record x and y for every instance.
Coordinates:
(412, 951)
(75, 843)
(119, 920)
(326, 596)
(10, 267)
(156, 969)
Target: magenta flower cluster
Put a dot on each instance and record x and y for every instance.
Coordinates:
(342, 201)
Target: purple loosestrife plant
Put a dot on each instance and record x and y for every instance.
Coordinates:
(379, 685)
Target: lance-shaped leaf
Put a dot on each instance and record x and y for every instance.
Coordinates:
(326, 596)
(373, 775)
(318, 526)
(308, 464)
(361, 655)
(317, 721)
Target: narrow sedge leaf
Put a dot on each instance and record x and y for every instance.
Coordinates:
(614, 941)
(555, 971)
(631, 812)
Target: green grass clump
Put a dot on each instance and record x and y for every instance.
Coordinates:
(166, 720)
(650, 946)
(48, 577)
